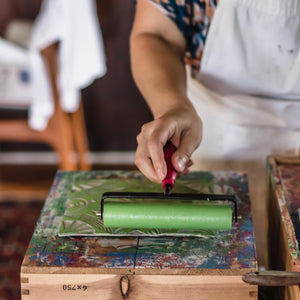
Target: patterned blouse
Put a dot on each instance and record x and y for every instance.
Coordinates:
(193, 18)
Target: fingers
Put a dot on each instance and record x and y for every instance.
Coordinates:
(158, 160)
(149, 157)
(185, 131)
(145, 165)
(181, 159)
(153, 167)
(187, 169)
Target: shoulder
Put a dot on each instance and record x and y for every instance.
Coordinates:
(152, 18)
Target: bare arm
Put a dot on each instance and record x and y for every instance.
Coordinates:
(157, 58)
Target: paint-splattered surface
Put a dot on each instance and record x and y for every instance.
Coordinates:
(231, 252)
(290, 181)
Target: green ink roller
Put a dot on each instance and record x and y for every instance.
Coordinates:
(168, 210)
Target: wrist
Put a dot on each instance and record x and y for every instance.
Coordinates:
(176, 104)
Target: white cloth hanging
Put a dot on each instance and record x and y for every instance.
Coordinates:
(81, 56)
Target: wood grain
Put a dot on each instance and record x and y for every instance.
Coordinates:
(92, 286)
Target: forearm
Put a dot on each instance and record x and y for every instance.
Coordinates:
(159, 72)
(157, 62)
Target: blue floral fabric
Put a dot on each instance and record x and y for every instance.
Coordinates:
(193, 18)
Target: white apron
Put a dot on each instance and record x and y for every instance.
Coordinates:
(248, 92)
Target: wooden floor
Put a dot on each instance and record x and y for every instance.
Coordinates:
(27, 182)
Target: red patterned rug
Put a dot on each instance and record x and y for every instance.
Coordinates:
(17, 222)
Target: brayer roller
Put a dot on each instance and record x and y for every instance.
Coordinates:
(168, 210)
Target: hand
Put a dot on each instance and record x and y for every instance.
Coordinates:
(183, 127)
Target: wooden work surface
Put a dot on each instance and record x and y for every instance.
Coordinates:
(284, 216)
(140, 267)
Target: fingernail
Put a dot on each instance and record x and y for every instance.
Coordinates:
(181, 162)
(160, 174)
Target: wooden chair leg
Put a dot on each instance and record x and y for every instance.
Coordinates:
(65, 133)
(60, 124)
(62, 141)
(80, 139)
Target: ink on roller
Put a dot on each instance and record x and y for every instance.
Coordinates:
(168, 210)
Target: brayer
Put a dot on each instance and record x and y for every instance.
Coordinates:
(168, 210)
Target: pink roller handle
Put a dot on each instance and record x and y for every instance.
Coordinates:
(169, 149)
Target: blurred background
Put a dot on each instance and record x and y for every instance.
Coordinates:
(103, 130)
(113, 108)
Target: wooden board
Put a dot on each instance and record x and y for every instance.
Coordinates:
(284, 217)
(149, 268)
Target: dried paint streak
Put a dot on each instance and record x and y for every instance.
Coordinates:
(194, 253)
(290, 181)
(81, 252)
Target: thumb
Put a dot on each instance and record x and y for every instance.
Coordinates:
(180, 161)
(182, 156)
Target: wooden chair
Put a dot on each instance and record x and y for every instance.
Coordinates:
(65, 132)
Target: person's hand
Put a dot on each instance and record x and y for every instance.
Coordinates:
(183, 127)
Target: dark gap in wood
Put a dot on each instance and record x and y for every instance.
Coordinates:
(136, 252)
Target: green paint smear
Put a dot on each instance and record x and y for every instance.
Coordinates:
(85, 199)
